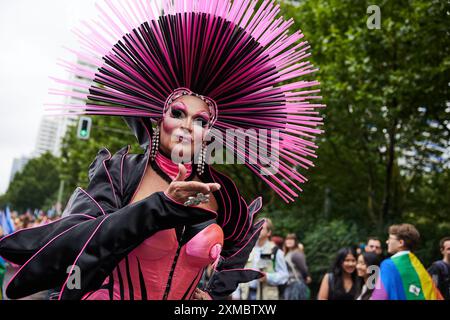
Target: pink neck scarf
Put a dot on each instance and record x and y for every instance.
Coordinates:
(169, 167)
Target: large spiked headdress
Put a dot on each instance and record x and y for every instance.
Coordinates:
(237, 53)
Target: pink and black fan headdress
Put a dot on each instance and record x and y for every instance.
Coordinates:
(238, 56)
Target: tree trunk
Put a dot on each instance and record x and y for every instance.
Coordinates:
(389, 170)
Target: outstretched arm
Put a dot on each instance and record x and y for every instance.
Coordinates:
(97, 245)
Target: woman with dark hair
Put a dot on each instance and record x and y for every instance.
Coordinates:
(364, 262)
(342, 282)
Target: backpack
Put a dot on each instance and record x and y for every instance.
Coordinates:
(297, 289)
(274, 256)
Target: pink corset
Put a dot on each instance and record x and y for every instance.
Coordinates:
(144, 274)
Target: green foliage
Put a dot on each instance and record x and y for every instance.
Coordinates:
(77, 155)
(38, 182)
(381, 158)
(3, 201)
(323, 240)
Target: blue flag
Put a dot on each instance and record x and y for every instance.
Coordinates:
(9, 221)
(6, 222)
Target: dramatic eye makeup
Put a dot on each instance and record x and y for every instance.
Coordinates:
(178, 110)
(203, 119)
(176, 113)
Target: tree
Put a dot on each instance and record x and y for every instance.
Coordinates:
(38, 182)
(322, 241)
(3, 201)
(77, 155)
(386, 90)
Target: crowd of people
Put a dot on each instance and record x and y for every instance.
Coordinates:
(31, 219)
(13, 221)
(357, 273)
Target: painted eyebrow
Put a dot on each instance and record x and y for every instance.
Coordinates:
(203, 114)
(180, 105)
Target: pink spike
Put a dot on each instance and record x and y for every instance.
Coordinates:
(255, 79)
(109, 21)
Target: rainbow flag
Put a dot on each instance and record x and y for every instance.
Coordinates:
(403, 277)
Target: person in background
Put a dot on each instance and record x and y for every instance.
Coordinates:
(360, 248)
(440, 270)
(363, 264)
(374, 245)
(298, 271)
(278, 240)
(27, 221)
(269, 259)
(342, 282)
(301, 247)
(18, 223)
(296, 257)
(402, 276)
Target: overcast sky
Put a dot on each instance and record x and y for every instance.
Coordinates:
(32, 34)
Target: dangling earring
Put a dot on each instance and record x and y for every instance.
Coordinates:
(202, 160)
(155, 144)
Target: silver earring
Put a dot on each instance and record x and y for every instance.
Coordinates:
(202, 160)
(155, 144)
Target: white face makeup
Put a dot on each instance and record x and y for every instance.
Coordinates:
(184, 128)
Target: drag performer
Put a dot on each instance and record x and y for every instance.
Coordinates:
(149, 225)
